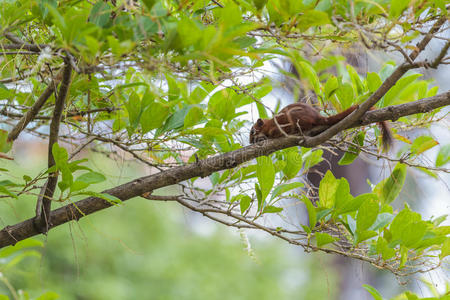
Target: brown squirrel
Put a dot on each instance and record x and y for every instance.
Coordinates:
(299, 118)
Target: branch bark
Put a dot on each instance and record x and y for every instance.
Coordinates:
(43, 204)
(74, 211)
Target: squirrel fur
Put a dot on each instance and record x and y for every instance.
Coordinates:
(298, 118)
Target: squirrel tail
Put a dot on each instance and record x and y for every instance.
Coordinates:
(331, 120)
(386, 135)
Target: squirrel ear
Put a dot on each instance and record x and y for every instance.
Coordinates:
(260, 122)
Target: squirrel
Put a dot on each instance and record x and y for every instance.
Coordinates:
(298, 118)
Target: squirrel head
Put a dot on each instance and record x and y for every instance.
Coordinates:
(256, 133)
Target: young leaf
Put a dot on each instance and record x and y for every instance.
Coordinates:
(272, 209)
(154, 116)
(245, 203)
(265, 172)
(293, 164)
(324, 238)
(283, 188)
(422, 144)
(91, 178)
(311, 211)
(60, 155)
(443, 156)
(312, 158)
(327, 190)
(107, 197)
(373, 81)
(383, 249)
(382, 220)
(354, 204)
(5, 191)
(390, 188)
(367, 214)
(193, 117)
(363, 235)
(375, 294)
(445, 249)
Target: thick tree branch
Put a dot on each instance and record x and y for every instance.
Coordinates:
(74, 211)
(43, 204)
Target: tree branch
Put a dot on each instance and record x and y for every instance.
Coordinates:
(34, 109)
(74, 211)
(43, 204)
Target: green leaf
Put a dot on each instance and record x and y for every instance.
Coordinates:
(175, 121)
(361, 236)
(356, 81)
(308, 72)
(375, 294)
(4, 190)
(100, 14)
(311, 211)
(354, 204)
(443, 156)
(261, 202)
(259, 4)
(331, 86)
(48, 296)
(397, 7)
(245, 203)
(312, 158)
(78, 186)
(407, 228)
(382, 220)
(293, 164)
(345, 95)
(28, 243)
(383, 249)
(283, 188)
(353, 152)
(324, 238)
(154, 116)
(5, 146)
(149, 4)
(91, 178)
(367, 214)
(60, 155)
(390, 188)
(393, 93)
(174, 88)
(445, 249)
(403, 256)
(265, 172)
(422, 144)
(327, 190)
(262, 111)
(272, 209)
(343, 195)
(133, 107)
(193, 117)
(373, 81)
(107, 197)
(312, 18)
